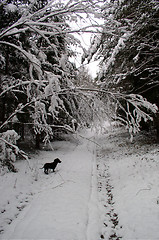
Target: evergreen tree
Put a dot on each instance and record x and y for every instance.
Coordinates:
(129, 67)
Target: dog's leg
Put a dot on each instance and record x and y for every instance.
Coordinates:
(46, 170)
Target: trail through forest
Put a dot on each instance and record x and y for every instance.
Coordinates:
(108, 190)
(63, 205)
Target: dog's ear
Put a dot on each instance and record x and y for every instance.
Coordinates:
(58, 160)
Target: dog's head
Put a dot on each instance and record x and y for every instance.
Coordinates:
(57, 160)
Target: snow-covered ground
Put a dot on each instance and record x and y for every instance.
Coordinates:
(128, 184)
(56, 206)
(108, 190)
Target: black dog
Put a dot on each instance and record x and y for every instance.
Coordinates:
(51, 165)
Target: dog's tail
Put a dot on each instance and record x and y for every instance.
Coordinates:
(41, 167)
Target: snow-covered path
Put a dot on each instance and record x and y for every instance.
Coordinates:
(107, 192)
(64, 202)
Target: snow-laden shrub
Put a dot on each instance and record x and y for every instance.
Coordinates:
(8, 142)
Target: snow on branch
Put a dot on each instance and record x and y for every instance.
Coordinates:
(120, 45)
(134, 106)
(14, 86)
(39, 17)
(142, 109)
(33, 60)
(136, 109)
(9, 148)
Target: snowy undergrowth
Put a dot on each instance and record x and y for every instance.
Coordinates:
(128, 186)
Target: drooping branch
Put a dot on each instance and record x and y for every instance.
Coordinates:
(29, 56)
(138, 102)
(21, 83)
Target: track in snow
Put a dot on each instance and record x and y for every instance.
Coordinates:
(64, 205)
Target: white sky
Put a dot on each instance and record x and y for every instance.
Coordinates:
(85, 42)
(93, 65)
(84, 38)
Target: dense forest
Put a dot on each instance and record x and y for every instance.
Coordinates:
(42, 92)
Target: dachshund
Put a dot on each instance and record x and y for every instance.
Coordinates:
(51, 165)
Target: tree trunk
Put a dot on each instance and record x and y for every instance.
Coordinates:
(37, 141)
(156, 121)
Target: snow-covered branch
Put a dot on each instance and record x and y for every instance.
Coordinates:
(33, 60)
(16, 149)
(21, 83)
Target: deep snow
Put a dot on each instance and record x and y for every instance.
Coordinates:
(108, 190)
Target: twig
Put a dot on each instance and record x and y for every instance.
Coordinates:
(15, 183)
(142, 190)
(61, 177)
(59, 185)
(88, 139)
